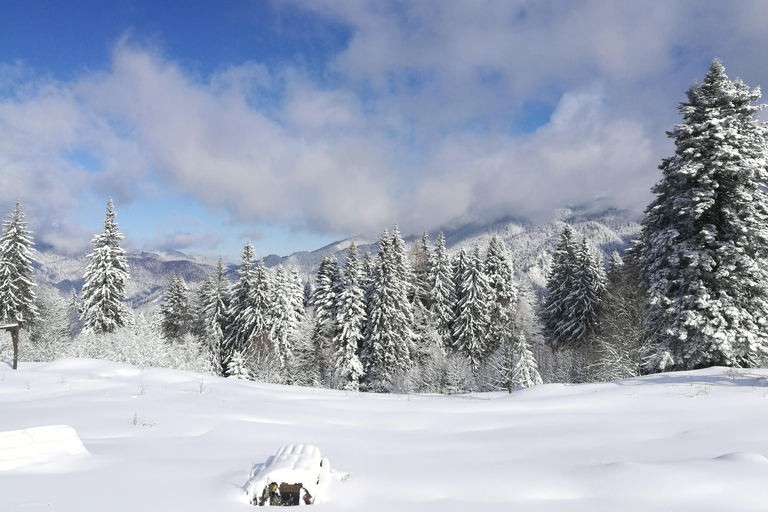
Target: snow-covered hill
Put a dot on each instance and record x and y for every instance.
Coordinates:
(158, 440)
(530, 245)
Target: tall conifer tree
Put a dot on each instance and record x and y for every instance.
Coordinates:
(175, 312)
(239, 318)
(443, 291)
(703, 250)
(472, 320)
(560, 283)
(503, 299)
(350, 320)
(105, 277)
(17, 294)
(388, 334)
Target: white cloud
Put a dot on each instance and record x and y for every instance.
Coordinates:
(177, 241)
(418, 129)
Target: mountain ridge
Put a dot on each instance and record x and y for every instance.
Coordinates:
(530, 245)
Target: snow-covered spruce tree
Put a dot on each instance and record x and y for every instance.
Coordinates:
(325, 297)
(470, 329)
(388, 336)
(213, 297)
(459, 264)
(350, 320)
(560, 283)
(17, 294)
(285, 317)
(586, 295)
(325, 302)
(237, 368)
(525, 370)
(443, 292)
(266, 366)
(703, 248)
(239, 319)
(105, 276)
(174, 310)
(503, 298)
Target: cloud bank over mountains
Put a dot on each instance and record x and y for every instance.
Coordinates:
(431, 113)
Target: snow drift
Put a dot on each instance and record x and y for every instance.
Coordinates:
(30, 446)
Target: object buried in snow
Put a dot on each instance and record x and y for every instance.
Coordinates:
(295, 475)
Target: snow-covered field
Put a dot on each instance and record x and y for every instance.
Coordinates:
(162, 440)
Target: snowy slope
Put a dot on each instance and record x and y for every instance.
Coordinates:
(158, 440)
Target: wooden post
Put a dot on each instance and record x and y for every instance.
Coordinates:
(15, 338)
(14, 330)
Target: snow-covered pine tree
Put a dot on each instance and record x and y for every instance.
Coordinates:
(388, 336)
(105, 276)
(525, 370)
(214, 300)
(586, 295)
(517, 363)
(471, 326)
(297, 292)
(261, 297)
(237, 367)
(443, 292)
(239, 321)
(174, 310)
(501, 279)
(459, 264)
(560, 283)
(703, 247)
(325, 298)
(350, 320)
(285, 317)
(17, 294)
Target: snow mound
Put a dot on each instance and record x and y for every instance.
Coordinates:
(743, 457)
(20, 448)
(293, 464)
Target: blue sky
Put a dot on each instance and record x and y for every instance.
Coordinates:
(294, 123)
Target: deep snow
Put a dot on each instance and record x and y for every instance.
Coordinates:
(159, 440)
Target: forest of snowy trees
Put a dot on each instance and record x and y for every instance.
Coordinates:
(691, 292)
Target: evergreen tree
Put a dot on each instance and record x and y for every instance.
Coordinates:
(704, 241)
(586, 295)
(261, 305)
(471, 326)
(17, 295)
(560, 283)
(443, 291)
(174, 309)
(237, 367)
(350, 320)
(214, 300)
(239, 319)
(105, 276)
(525, 371)
(459, 265)
(503, 297)
(325, 297)
(285, 316)
(517, 362)
(388, 335)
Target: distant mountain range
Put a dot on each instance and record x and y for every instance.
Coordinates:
(530, 246)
